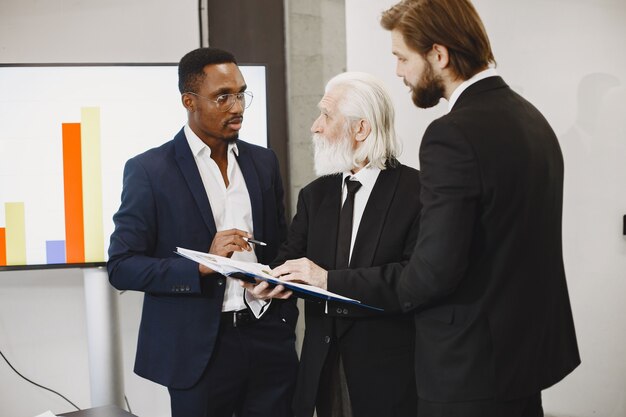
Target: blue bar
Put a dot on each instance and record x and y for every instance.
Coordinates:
(55, 251)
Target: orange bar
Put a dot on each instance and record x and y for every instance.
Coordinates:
(3, 246)
(73, 193)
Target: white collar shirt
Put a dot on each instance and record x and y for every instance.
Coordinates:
(367, 176)
(231, 207)
(489, 72)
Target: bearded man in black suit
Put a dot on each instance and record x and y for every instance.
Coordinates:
(486, 281)
(355, 361)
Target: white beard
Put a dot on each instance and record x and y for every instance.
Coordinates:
(332, 157)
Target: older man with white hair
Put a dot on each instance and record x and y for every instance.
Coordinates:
(354, 230)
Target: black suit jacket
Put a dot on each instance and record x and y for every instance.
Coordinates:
(376, 348)
(164, 205)
(486, 280)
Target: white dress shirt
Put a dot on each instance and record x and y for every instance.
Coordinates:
(367, 176)
(231, 209)
(489, 72)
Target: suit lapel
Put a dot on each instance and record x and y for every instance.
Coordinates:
(251, 177)
(189, 169)
(326, 223)
(374, 216)
(370, 229)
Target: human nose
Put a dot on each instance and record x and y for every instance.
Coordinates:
(399, 71)
(315, 127)
(239, 105)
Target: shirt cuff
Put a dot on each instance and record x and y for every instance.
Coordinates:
(258, 307)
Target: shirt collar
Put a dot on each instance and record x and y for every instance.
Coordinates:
(489, 72)
(197, 146)
(366, 176)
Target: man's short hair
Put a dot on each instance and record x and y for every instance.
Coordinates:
(363, 96)
(454, 24)
(191, 67)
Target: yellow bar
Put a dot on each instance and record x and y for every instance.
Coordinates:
(15, 233)
(92, 184)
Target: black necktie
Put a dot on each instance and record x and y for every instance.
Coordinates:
(344, 237)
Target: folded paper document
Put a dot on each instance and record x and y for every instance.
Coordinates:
(230, 267)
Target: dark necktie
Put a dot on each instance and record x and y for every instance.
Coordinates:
(344, 237)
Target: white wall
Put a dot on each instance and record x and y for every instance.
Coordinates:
(549, 50)
(568, 58)
(42, 324)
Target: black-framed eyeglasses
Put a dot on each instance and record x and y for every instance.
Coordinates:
(225, 102)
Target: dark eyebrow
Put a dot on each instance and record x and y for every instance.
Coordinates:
(229, 91)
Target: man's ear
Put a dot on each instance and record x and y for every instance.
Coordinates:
(439, 56)
(187, 102)
(362, 130)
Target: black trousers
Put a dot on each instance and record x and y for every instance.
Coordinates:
(333, 398)
(524, 407)
(251, 373)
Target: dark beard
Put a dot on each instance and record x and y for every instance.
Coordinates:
(233, 138)
(428, 91)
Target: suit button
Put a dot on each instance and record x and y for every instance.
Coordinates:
(326, 339)
(220, 281)
(345, 311)
(338, 310)
(186, 287)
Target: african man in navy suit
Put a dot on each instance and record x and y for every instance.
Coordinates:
(217, 349)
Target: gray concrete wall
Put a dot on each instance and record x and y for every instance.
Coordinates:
(316, 51)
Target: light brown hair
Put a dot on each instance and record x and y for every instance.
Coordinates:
(454, 24)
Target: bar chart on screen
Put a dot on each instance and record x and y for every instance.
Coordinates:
(81, 190)
(66, 132)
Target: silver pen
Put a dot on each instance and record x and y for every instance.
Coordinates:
(256, 242)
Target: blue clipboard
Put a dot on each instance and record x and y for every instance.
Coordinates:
(303, 292)
(299, 290)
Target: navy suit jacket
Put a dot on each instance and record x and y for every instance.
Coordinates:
(164, 205)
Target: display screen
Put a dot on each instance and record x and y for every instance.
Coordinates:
(66, 132)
